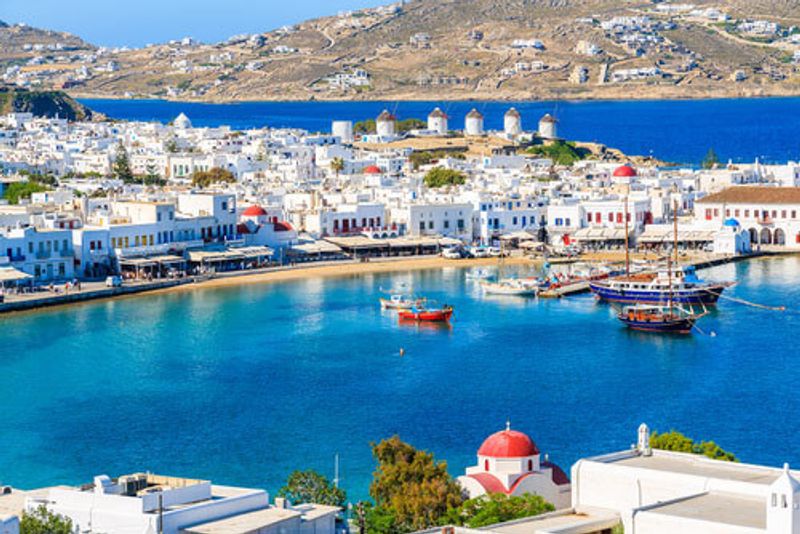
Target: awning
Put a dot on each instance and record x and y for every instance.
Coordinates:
(450, 242)
(207, 256)
(599, 234)
(254, 252)
(10, 274)
(520, 235)
(317, 247)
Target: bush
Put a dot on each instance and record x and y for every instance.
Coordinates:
(215, 175)
(498, 508)
(561, 152)
(440, 177)
(43, 521)
(675, 441)
(22, 190)
(312, 487)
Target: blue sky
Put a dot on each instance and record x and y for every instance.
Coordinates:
(137, 22)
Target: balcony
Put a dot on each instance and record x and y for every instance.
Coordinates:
(66, 253)
(43, 255)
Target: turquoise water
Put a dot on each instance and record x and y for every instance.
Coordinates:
(673, 130)
(242, 385)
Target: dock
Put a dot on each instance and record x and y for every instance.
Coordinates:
(565, 290)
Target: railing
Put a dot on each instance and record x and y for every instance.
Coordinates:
(67, 253)
(42, 255)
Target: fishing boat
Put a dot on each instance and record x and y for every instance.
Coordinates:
(437, 315)
(660, 319)
(511, 287)
(400, 302)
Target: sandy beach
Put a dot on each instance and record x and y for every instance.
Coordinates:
(344, 268)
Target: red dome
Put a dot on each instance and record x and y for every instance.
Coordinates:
(508, 444)
(254, 211)
(625, 171)
(373, 169)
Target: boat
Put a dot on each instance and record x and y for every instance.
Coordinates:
(478, 274)
(400, 302)
(653, 287)
(510, 286)
(660, 319)
(681, 285)
(438, 315)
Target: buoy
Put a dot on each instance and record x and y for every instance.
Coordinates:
(402, 352)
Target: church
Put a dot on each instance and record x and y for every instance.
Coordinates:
(509, 462)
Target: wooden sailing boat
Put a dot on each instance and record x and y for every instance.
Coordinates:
(672, 318)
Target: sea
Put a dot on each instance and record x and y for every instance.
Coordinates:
(242, 385)
(679, 131)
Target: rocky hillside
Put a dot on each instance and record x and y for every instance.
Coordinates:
(457, 49)
(42, 104)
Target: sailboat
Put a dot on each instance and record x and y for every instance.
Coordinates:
(509, 286)
(672, 318)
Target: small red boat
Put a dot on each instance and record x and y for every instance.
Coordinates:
(441, 315)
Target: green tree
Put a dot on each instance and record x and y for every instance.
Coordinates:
(42, 521)
(22, 190)
(561, 152)
(171, 146)
(497, 508)
(365, 127)
(675, 441)
(312, 487)
(711, 159)
(337, 165)
(214, 175)
(411, 490)
(407, 125)
(121, 168)
(440, 177)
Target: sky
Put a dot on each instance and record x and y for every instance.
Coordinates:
(138, 22)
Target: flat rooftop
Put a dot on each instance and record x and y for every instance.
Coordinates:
(716, 507)
(244, 523)
(590, 520)
(690, 464)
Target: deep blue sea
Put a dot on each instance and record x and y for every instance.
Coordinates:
(243, 385)
(673, 130)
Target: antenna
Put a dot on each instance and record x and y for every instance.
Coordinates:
(336, 470)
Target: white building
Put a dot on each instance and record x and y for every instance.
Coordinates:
(509, 462)
(344, 131)
(437, 122)
(449, 220)
(147, 503)
(385, 125)
(548, 127)
(771, 215)
(473, 124)
(512, 123)
(656, 492)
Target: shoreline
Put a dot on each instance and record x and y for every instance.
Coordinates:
(388, 98)
(331, 269)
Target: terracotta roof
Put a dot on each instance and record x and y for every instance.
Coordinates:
(547, 118)
(254, 211)
(754, 195)
(512, 113)
(490, 483)
(508, 444)
(437, 114)
(386, 116)
(559, 476)
(474, 114)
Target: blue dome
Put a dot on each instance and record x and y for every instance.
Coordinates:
(731, 222)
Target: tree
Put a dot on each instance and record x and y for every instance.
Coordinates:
(410, 489)
(22, 190)
(561, 152)
(171, 146)
(440, 177)
(675, 441)
(711, 160)
(312, 487)
(497, 508)
(121, 168)
(365, 127)
(214, 175)
(43, 521)
(337, 165)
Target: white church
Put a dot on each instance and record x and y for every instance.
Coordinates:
(509, 462)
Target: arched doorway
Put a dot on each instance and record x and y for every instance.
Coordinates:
(780, 237)
(766, 237)
(753, 236)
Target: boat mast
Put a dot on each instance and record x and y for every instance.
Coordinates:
(627, 239)
(675, 249)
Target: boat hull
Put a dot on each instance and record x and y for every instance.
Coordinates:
(696, 296)
(682, 325)
(431, 316)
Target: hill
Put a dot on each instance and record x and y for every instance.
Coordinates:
(42, 104)
(461, 49)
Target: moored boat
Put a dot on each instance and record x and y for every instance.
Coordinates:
(653, 288)
(510, 287)
(658, 319)
(400, 302)
(438, 315)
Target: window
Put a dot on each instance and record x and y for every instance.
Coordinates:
(784, 503)
(430, 225)
(709, 215)
(619, 217)
(747, 213)
(446, 224)
(422, 226)
(735, 213)
(55, 246)
(610, 217)
(567, 222)
(30, 247)
(774, 501)
(460, 224)
(589, 217)
(486, 465)
(794, 214)
(530, 465)
(783, 214)
(514, 221)
(62, 271)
